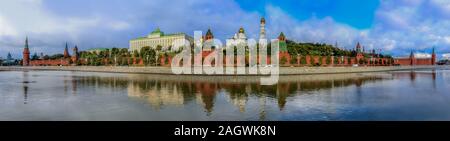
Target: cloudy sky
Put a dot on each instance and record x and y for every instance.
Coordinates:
(394, 26)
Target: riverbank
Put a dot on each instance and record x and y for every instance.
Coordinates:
(168, 71)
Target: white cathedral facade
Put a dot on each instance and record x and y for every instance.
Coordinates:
(241, 38)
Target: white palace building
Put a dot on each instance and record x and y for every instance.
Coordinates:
(158, 38)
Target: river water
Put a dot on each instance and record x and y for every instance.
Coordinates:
(66, 95)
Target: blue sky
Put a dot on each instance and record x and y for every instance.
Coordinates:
(394, 26)
(357, 13)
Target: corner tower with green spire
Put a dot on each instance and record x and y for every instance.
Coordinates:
(282, 45)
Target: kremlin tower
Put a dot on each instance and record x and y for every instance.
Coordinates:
(66, 52)
(209, 35)
(75, 56)
(433, 57)
(26, 54)
(283, 45)
(359, 53)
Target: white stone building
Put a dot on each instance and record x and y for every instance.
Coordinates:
(158, 38)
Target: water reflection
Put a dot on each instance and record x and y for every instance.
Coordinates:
(365, 96)
(159, 91)
(25, 87)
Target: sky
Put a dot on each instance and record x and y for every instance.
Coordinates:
(395, 27)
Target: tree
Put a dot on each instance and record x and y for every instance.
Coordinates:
(283, 60)
(114, 51)
(136, 54)
(303, 60)
(46, 57)
(166, 57)
(328, 60)
(158, 48)
(361, 61)
(56, 56)
(336, 60)
(34, 57)
(294, 59)
(149, 55)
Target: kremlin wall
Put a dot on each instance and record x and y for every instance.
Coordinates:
(157, 39)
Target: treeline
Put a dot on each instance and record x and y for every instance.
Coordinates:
(318, 49)
(122, 57)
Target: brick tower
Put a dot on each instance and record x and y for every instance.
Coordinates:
(359, 54)
(433, 57)
(66, 52)
(208, 35)
(26, 54)
(75, 56)
(412, 58)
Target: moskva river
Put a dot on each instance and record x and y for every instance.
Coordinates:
(65, 95)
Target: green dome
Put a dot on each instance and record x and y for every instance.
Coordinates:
(157, 31)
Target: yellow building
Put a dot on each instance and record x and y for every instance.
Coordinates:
(158, 38)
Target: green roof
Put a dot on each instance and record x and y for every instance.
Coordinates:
(157, 31)
(168, 35)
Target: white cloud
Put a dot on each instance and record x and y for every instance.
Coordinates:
(47, 30)
(324, 30)
(5, 28)
(446, 56)
(422, 55)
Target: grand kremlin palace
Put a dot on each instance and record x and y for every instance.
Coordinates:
(157, 38)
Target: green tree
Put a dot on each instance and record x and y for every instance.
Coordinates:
(34, 57)
(158, 48)
(294, 59)
(303, 60)
(148, 54)
(328, 60)
(336, 60)
(283, 60)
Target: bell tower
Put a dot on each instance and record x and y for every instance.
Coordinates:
(262, 29)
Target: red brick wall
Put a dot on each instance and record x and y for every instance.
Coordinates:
(407, 61)
(423, 61)
(58, 62)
